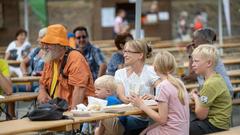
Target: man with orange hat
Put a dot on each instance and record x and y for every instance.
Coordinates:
(75, 83)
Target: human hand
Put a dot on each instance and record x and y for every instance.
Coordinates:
(43, 98)
(136, 100)
(194, 94)
(147, 97)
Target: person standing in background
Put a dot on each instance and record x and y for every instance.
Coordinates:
(182, 26)
(120, 25)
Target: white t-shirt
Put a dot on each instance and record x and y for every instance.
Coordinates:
(144, 82)
(19, 49)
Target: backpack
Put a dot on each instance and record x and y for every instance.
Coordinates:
(52, 110)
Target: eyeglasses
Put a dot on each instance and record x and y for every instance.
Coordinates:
(127, 51)
(83, 37)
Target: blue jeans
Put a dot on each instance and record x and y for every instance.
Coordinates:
(132, 123)
(23, 88)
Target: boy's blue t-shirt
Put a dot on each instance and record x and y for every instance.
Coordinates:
(113, 100)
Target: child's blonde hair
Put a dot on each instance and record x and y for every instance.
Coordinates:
(208, 52)
(106, 81)
(165, 63)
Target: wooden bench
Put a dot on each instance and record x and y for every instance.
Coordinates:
(25, 79)
(25, 125)
(21, 96)
(110, 43)
(13, 62)
(231, 131)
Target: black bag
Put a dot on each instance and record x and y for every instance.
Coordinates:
(53, 110)
(13, 54)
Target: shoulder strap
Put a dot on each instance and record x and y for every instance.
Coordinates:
(64, 61)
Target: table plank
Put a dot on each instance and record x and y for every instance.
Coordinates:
(25, 79)
(13, 62)
(101, 116)
(25, 125)
(232, 131)
(19, 97)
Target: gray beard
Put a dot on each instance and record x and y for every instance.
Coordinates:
(48, 56)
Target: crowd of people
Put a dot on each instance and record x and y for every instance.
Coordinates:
(74, 72)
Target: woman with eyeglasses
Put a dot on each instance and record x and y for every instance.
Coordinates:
(135, 78)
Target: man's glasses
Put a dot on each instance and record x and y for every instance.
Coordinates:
(81, 37)
(127, 51)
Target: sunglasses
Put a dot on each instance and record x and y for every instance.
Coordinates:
(81, 37)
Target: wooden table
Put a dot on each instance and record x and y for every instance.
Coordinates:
(101, 116)
(13, 62)
(231, 131)
(233, 73)
(25, 125)
(19, 97)
(25, 79)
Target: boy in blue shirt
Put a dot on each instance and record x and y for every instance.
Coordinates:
(105, 88)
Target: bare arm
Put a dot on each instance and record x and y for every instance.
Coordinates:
(100, 130)
(7, 55)
(24, 65)
(102, 69)
(121, 93)
(78, 95)
(160, 116)
(200, 111)
(6, 84)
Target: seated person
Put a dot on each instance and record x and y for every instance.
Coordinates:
(66, 73)
(213, 103)
(93, 55)
(173, 105)
(17, 50)
(105, 88)
(117, 60)
(6, 85)
(32, 65)
(205, 36)
(137, 73)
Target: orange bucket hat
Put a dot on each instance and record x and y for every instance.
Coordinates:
(56, 34)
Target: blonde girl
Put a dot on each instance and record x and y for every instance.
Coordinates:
(173, 109)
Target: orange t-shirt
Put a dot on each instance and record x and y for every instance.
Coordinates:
(78, 73)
